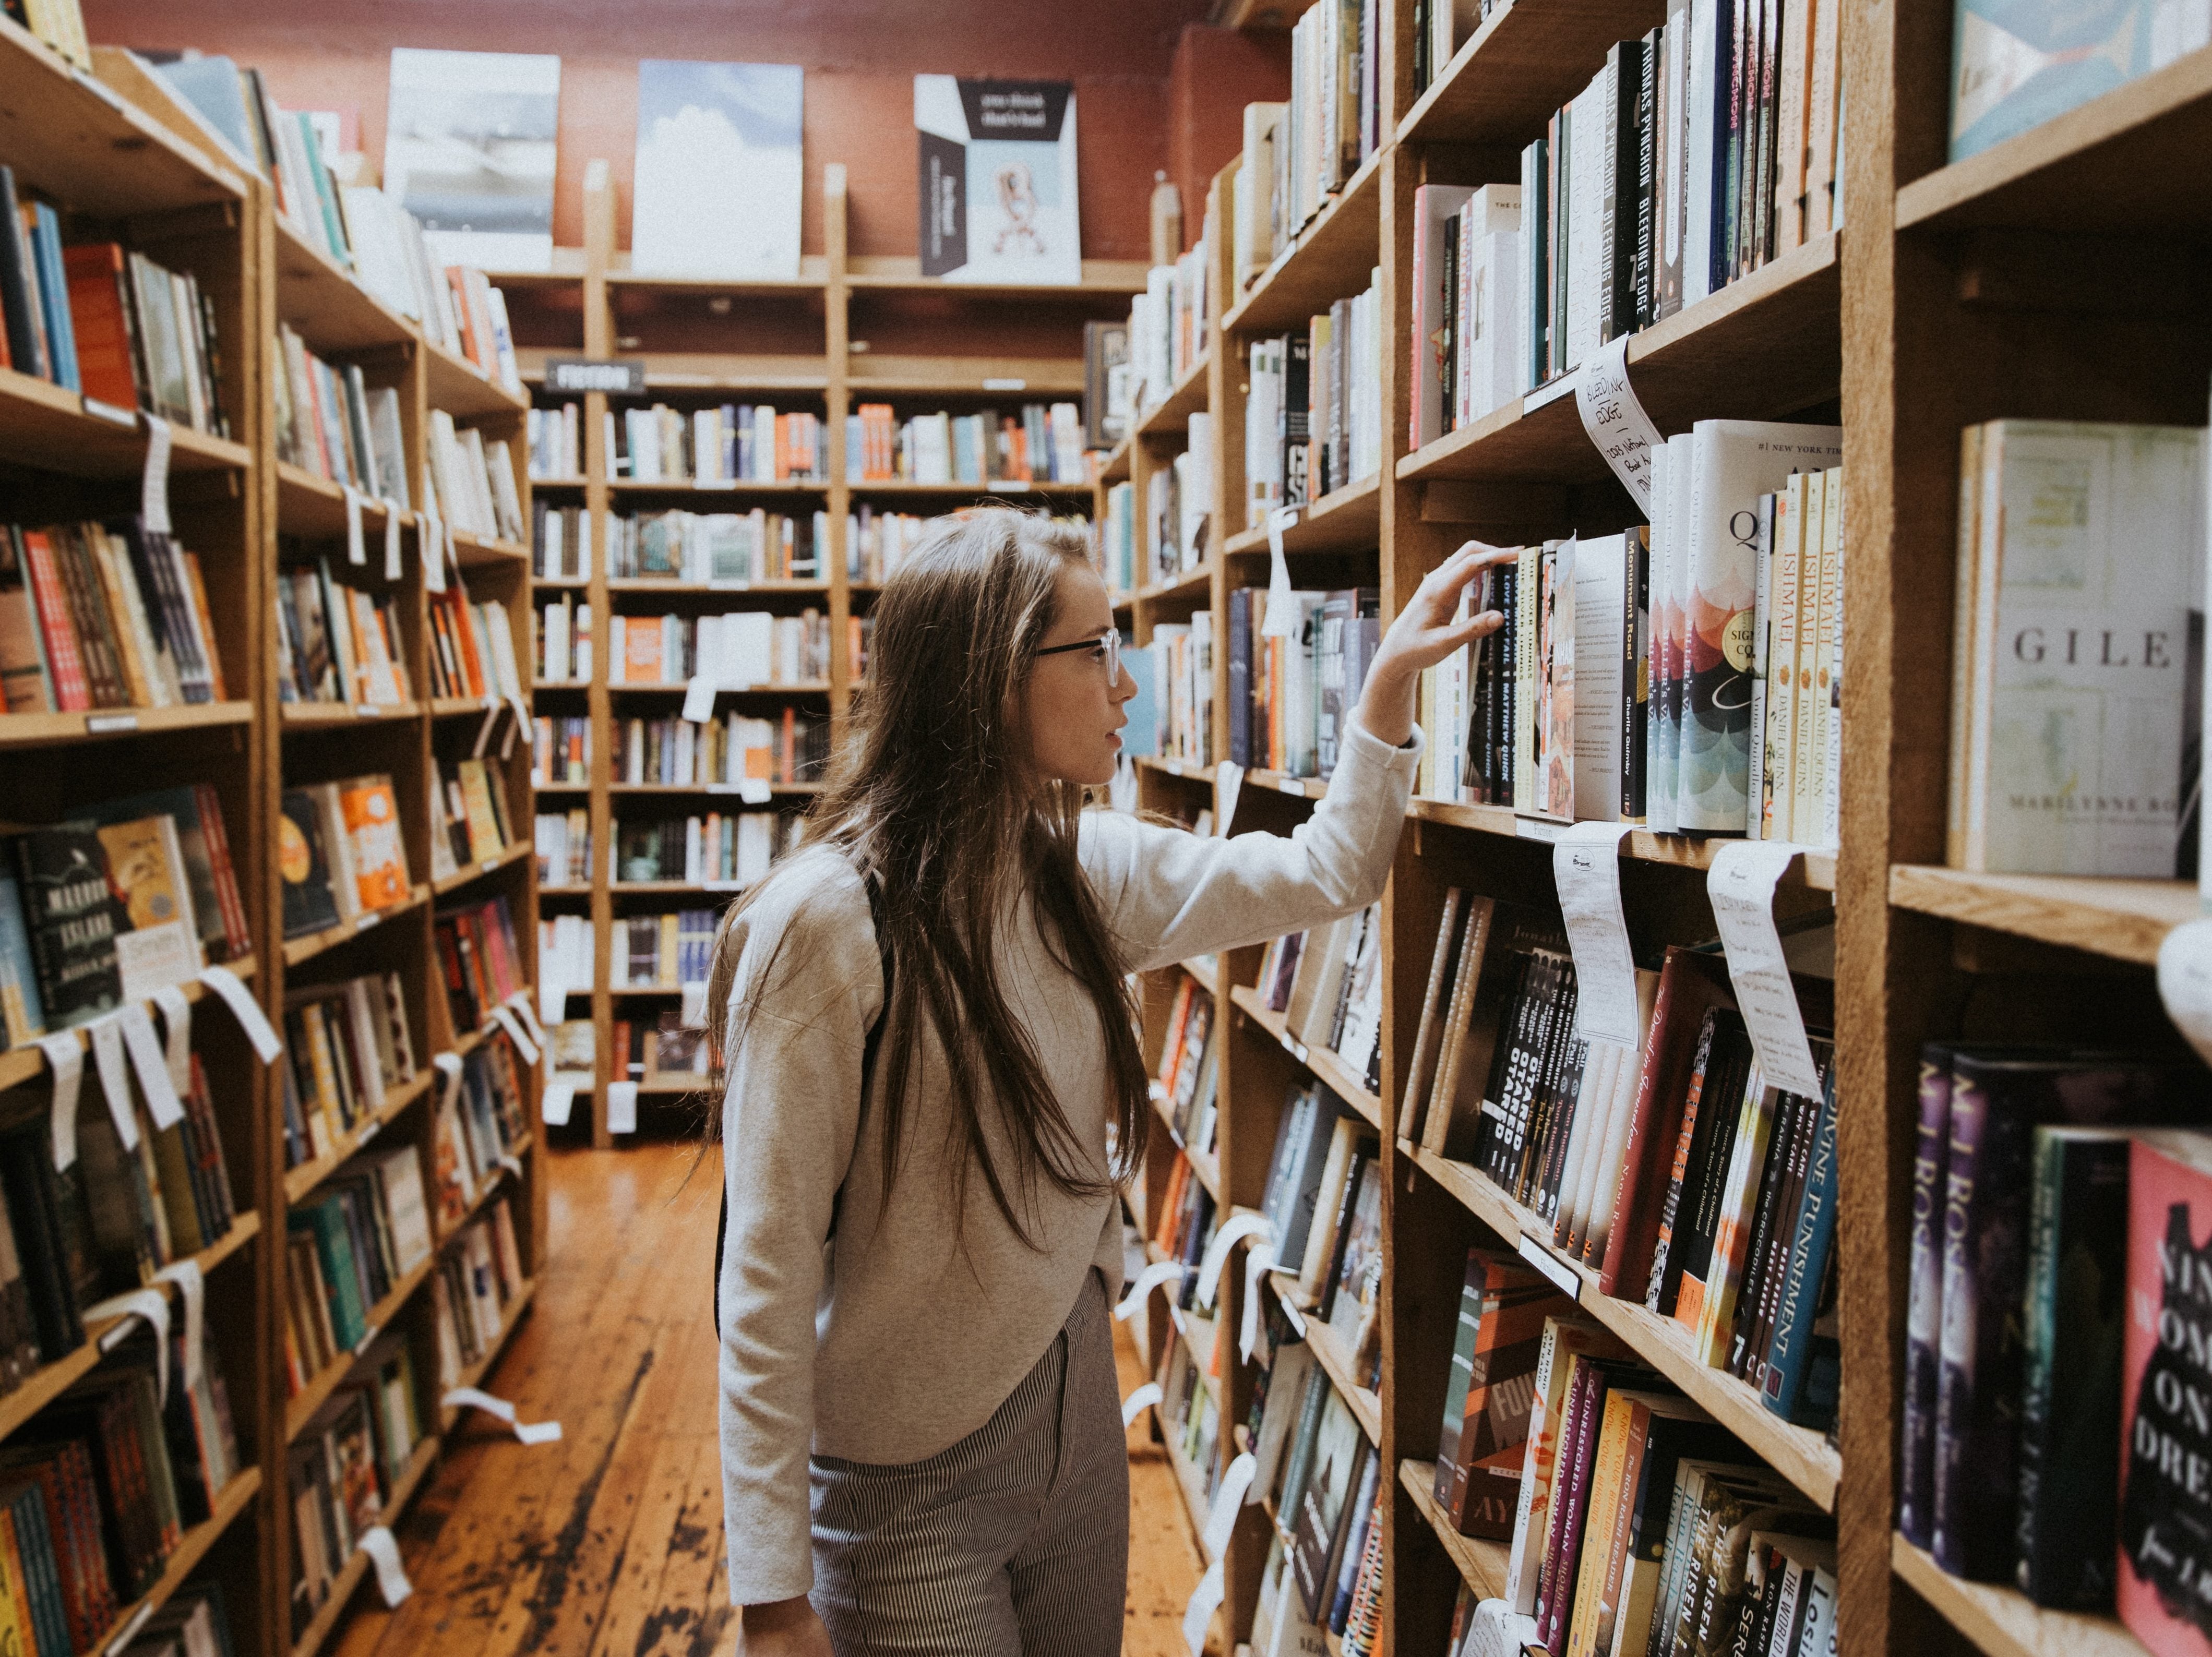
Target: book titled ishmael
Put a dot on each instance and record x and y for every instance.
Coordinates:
(997, 165)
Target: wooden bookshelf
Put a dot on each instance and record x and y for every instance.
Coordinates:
(2005, 1622)
(119, 156)
(1481, 1564)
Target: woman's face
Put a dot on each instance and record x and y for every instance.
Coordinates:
(1074, 711)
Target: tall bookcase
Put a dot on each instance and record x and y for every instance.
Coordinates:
(2037, 280)
(118, 157)
(849, 330)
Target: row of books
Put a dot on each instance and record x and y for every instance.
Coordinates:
(1110, 385)
(148, 1204)
(561, 754)
(477, 1280)
(106, 322)
(1313, 423)
(1613, 692)
(337, 643)
(1189, 1088)
(721, 546)
(1179, 503)
(1113, 541)
(341, 1473)
(554, 439)
(1041, 443)
(1280, 1626)
(332, 422)
(1328, 983)
(472, 648)
(477, 958)
(660, 1053)
(736, 749)
(356, 226)
(733, 443)
(98, 615)
(469, 820)
(1323, 1203)
(1182, 661)
(2076, 674)
(1300, 153)
(344, 855)
(1292, 698)
(2052, 1192)
(99, 1487)
(718, 848)
(1167, 329)
(473, 479)
(741, 647)
(348, 1047)
(564, 848)
(1189, 1408)
(664, 951)
(349, 1246)
(560, 651)
(560, 540)
(1676, 1173)
(1441, 27)
(1188, 1216)
(877, 543)
(484, 1122)
(129, 896)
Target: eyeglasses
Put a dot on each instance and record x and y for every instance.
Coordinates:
(1109, 643)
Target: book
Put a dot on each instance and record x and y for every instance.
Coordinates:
(997, 179)
(731, 130)
(1339, 1460)
(479, 205)
(74, 916)
(303, 865)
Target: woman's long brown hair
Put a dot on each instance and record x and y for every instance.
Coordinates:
(932, 799)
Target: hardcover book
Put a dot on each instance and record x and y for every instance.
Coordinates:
(719, 170)
(74, 915)
(469, 150)
(997, 168)
(303, 865)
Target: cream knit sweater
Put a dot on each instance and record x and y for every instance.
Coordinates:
(894, 1340)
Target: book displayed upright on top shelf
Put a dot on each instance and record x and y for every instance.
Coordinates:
(2017, 64)
(720, 170)
(469, 151)
(997, 163)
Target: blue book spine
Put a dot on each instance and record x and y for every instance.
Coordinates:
(53, 294)
(1790, 1351)
(21, 1017)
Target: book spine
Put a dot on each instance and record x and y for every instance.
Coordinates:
(1790, 1351)
(1916, 1470)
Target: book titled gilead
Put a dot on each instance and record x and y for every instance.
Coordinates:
(997, 167)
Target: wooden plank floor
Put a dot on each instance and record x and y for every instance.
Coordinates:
(609, 1544)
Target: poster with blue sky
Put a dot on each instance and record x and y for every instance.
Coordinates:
(469, 149)
(721, 166)
(997, 164)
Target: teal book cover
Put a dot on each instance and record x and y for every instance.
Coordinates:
(2016, 63)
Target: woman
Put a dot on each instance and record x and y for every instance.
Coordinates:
(927, 1041)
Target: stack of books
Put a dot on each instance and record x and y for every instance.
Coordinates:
(351, 858)
(103, 615)
(734, 547)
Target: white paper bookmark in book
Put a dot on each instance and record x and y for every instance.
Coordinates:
(150, 1305)
(447, 1065)
(383, 1554)
(176, 1036)
(552, 997)
(430, 541)
(505, 1016)
(152, 1065)
(1228, 787)
(2184, 982)
(1152, 1277)
(1614, 420)
(520, 1002)
(153, 481)
(65, 1056)
(543, 1432)
(1198, 1615)
(107, 1035)
(357, 541)
(558, 1100)
(1740, 885)
(622, 1106)
(699, 699)
(1139, 1401)
(244, 1008)
(1280, 604)
(392, 568)
(1221, 1518)
(1232, 1231)
(1259, 1260)
(1586, 868)
(192, 1288)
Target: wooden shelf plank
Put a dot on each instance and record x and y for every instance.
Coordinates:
(655, 584)
(621, 486)
(463, 390)
(1764, 346)
(1816, 869)
(1529, 57)
(231, 1501)
(327, 716)
(1481, 1564)
(300, 1181)
(1322, 1061)
(1181, 768)
(27, 731)
(2130, 160)
(1803, 1457)
(299, 950)
(356, 1565)
(2127, 919)
(508, 858)
(488, 551)
(324, 303)
(796, 687)
(1114, 469)
(1170, 416)
(1333, 257)
(48, 427)
(2005, 1622)
(20, 1065)
(309, 505)
(886, 376)
(813, 276)
(995, 487)
(794, 789)
(1348, 520)
(893, 272)
(1328, 1350)
(1196, 582)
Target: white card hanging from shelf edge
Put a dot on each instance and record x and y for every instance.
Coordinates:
(65, 1056)
(1740, 885)
(1614, 420)
(1586, 869)
(154, 481)
(1277, 623)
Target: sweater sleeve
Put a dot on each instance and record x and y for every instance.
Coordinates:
(790, 1119)
(1170, 895)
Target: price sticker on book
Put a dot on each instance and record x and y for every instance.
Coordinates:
(154, 481)
(1614, 420)
(356, 540)
(1586, 867)
(1740, 884)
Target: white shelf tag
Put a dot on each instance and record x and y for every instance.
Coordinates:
(1228, 1502)
(65, 1056)
(1586, 867)
(357, 541)
(1740, 884)
(1562, 1276)
(2184, 981)
(152, 1065)
(1198, 1615)
(177, 1043)
(191, 1287)
(558, 1100)
(1614, 420)
(153, 481)
(383, 1554)
(243, 1007)
(699, 699)
(107, 1035)
(1280, 604)
(1234, 1231)
(543, 1432)
(622, 1106)
(1138, 1402)
(392, 568)
(1152, 1276)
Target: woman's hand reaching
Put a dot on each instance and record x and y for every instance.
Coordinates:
(1423, 633)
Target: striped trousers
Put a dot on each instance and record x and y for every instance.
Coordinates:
(1013, 1543)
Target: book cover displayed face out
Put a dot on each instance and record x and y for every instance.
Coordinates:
(720, 171)
(470, 152)
(146, 866)
(997, 163)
